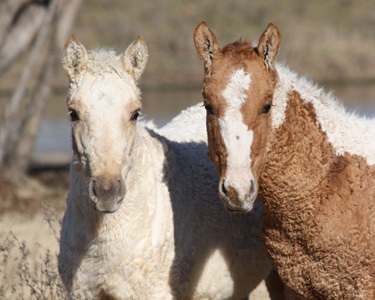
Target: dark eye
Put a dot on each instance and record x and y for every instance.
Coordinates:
(73, 115)
(209, 109)
(135, 115)
(266, 109)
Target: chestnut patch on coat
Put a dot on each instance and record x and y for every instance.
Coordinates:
(319, 210)
(217, 151)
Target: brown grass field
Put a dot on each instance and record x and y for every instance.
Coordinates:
(329, 41)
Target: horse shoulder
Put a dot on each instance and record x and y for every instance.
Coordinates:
(349, 205)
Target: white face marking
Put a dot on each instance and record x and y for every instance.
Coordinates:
(237, 138)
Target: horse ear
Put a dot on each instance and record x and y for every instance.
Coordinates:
(135, 57)
(206, 45)
(74, 56)
(269, 45)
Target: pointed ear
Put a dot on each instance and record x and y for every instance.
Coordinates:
(74, 57)
(206, 45)
(135, 58)
(269, 45)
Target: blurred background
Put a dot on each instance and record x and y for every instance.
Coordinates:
(331, 42)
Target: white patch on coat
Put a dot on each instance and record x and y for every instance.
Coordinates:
(217, 263)
(236, 135)
(347, 132)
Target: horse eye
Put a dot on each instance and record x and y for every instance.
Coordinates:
(135, 115)
(209, 109)
(73, 115)
(266, 108)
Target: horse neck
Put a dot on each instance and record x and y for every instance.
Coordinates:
(298, 158)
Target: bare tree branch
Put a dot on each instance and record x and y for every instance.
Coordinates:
(11, 109)
(8, 9)
(18, 160)
(21, 34)
(20, 157)
(65, 23)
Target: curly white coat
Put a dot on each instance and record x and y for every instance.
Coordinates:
(171, 238)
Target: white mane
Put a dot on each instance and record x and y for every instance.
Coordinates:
(346, 131)
(193, 122)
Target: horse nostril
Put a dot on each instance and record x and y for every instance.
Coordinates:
(252, 187)
(106, 188)
(121, 187)
(223, 188)
(92, 191)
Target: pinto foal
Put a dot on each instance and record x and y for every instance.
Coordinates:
(313, 164)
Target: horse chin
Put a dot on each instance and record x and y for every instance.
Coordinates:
(107, 208)
(237, 210)
(239, 206)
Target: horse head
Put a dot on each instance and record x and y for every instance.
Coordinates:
(104, 104)
(239, 82)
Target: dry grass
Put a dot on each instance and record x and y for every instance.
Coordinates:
(30, 213)
(29, 269)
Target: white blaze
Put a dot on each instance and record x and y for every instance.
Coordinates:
(237, 138)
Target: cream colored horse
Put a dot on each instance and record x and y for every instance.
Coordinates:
(143, 218)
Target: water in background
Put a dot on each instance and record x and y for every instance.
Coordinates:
(53, 144)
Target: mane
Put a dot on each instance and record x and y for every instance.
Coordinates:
(146, 123)
(346, 131)
(187, 126)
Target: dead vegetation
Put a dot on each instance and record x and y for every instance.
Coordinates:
(30, 213)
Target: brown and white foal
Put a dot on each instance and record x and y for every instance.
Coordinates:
(313, 164)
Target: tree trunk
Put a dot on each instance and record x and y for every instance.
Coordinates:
(21, 34)
(16, 147)
(23, 146)
(20, 148)
(10, 110)
(8, 9)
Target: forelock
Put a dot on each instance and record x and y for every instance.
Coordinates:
(239, 49)
(105, 61)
